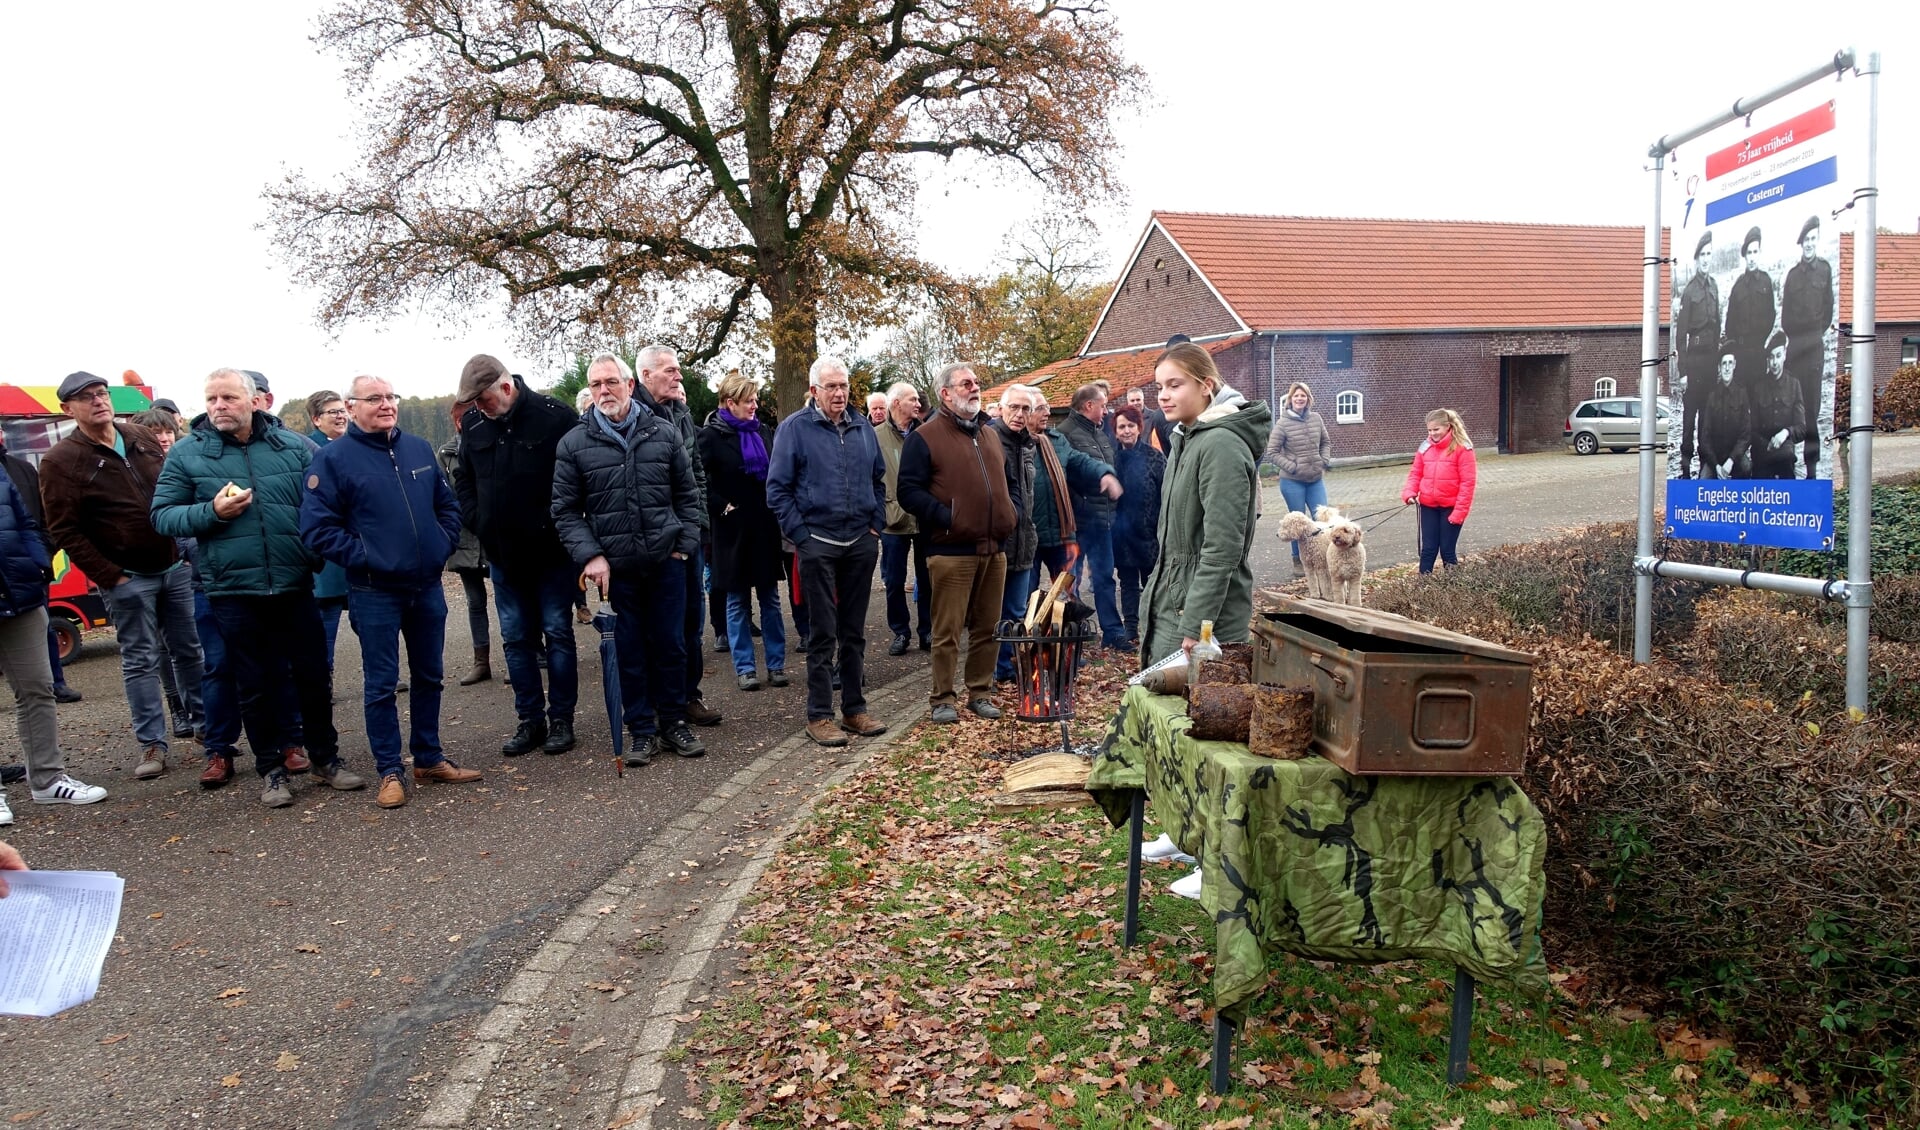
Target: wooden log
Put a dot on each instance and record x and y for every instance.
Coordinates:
(1054, 798)
(1047, 771)
(1221, 712)
(1282, 722)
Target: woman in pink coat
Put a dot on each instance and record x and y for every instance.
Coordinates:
(1441, 480)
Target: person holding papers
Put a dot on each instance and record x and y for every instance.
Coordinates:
(9, 861)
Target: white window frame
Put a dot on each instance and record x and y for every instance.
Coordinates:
(1356, 414)
(1605, 387)
(1909, 353)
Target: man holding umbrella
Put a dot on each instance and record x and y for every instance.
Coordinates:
(627, 510)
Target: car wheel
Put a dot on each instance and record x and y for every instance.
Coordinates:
(67, 633)
(1586, 443)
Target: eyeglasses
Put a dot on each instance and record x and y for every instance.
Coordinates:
(334, 412)
(380, 398)
(1013, 409)
(97, 392)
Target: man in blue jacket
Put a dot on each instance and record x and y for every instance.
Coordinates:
(827, 486)
(377, 505)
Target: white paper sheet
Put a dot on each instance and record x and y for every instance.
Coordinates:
(54, 932)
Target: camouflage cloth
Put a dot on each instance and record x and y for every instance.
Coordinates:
(1302, 857)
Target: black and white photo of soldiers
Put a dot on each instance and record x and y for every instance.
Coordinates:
(1807, 318)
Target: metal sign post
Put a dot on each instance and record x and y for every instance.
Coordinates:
(1856, 592)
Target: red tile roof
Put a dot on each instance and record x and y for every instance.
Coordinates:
(1129, 369)
(1896, 292)
(1318, 274)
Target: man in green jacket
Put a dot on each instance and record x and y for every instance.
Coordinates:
(236, 484)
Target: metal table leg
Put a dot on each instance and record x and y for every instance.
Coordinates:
(1136, 827)
(1462, 1034)
(1222, 1053)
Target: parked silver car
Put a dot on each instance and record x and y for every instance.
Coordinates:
(1612, 422)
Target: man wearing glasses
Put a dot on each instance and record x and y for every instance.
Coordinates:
(377, 505)
(1016, 404)
(954, 480)
(98, 486)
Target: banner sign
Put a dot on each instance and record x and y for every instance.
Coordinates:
(1756, 333)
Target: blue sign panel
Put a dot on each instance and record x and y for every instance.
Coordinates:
(1774, 191)
(1784, 513)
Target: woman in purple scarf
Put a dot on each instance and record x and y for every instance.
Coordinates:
(747, 557)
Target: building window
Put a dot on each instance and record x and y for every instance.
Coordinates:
(1909, 351)
(1340, 352)
(1348, 408)
(1605, 386)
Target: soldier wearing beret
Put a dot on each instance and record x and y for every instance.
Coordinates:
(1750, 315)
(1806, 314)
(1696, 333)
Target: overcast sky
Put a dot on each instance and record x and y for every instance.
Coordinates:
(145, 134)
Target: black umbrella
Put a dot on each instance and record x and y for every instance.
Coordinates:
(604, 620)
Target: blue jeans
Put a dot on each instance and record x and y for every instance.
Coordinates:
(649, 633)
(144, 609)
(772, 632)
(529, 607)
(219, 698)
(380, 619)
(271, 642)
(1014, 607)
(1304, 497)
(1096, 557)
(894, 549)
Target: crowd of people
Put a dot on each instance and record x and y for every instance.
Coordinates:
(229, 546)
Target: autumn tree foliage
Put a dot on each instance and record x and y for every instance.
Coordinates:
(706, 168)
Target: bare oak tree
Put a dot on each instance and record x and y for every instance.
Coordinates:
(744, 164)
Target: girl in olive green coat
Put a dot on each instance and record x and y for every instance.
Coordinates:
(1210, 502)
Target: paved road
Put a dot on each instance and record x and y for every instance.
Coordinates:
(505, 954)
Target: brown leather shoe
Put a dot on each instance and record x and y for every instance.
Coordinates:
(218, 772)
(393, 792)
(294, 759)
(700, 714)
(445, 772)
(824, 732)
(863, 724)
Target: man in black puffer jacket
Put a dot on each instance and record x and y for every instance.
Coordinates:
(661, 392)
(507, 446)
(628, 511)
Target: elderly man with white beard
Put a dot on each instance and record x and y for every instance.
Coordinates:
(953, 480)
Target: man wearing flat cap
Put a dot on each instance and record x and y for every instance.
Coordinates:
(1696, 338)
(507, 452)
(97, 485)
(1806, 314)
(1750, 314)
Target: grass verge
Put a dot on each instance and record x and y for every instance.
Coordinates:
(915, 958)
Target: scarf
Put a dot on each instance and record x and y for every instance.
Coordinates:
(1057, 479)
(622, 431)
(753, 449)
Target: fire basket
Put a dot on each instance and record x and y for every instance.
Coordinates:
(1046, 659)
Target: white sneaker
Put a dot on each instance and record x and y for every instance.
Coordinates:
(1164, 848)
(6, 814)
(66, 790)
(1189, 887)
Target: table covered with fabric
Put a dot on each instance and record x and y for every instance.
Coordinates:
(1302, 857)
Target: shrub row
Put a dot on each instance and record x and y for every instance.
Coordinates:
(1774, 646)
